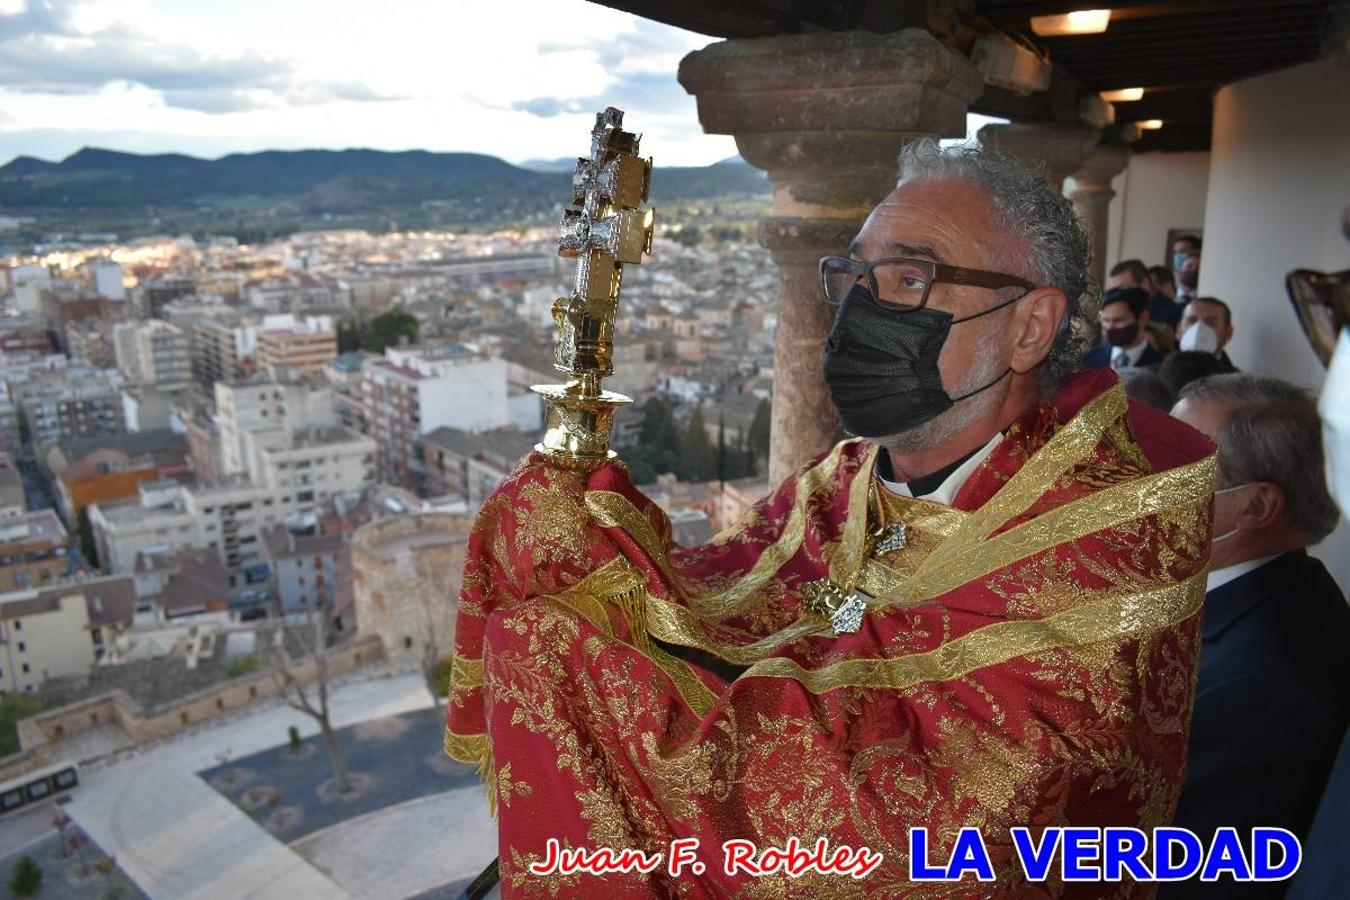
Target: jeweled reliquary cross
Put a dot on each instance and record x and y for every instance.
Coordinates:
(606, 230)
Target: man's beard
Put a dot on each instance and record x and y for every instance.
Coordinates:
(942, 428)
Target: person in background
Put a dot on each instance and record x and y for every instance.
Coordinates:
(1130, 273)
(1188, 279)
(1186, 264)
(1185, 366)
(1184, 246)
(1124, 320)
(1145, 386)
(1207, 327)
(1273, 694)
(1163, 308)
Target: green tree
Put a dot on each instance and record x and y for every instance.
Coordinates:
(658, 449)
(438, 679)
(698, 456)
(243, 665)
(658, 427)
(739, 462)
(689, 236)
(759, 431)
(386, 329)
(25, 879)
(348, 337)
(640, 461)
(15, 705)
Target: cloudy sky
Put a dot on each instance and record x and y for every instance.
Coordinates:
(519, 79)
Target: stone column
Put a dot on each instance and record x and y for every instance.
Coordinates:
(825, 115)
(1062, 148)
(1091, 193)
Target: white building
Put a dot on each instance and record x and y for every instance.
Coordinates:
(415, 390)
(153, 352)
(107, 278)
(158, 518)
(43, 634)
(289, 474)
(536, 306)
(265, 403)
(60, 629)
(27, 283)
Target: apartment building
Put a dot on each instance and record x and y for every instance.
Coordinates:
(302, 346)
(33, 550)
(264, 402)
(153, 352)
(60, 629)
(289, 474)
(415, 390)
(13, 497)
(309, 570)
(469, 466)
(214, 345)
(43, 634)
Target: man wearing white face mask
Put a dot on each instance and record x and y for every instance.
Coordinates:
(1207, 327)
(1273, 692)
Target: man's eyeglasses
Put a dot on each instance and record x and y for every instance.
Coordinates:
(903, 282)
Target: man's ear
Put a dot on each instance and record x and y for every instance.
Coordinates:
(1040, 315)
(1264, 507)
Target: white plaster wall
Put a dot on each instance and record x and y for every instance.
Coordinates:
(1156, 192)
(470, 397)
(1278, 183)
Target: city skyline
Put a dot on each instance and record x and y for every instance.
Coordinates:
(210, 79)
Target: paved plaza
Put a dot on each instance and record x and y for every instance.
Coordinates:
(67, 875)
(390, 761)
(177, 836)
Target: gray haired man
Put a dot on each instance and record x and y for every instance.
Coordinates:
(1273, 697)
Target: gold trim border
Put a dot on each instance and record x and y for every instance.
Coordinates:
(1112, 617)
(613, 510)
(465, 674)
(619, 585)
(472, 749)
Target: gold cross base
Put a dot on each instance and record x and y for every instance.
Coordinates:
(578, 420)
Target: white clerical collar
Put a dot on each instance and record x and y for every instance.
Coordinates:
(1219, 577)
(947, 490)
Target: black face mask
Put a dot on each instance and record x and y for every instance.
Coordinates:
(881, 364)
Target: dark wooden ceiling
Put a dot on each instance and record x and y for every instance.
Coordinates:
(1180, 52)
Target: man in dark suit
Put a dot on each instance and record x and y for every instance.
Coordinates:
(1273, 695)
(1124, 319)
(1163, 308)
(1207, 326)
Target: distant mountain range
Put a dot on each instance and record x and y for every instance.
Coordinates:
(566, 163)
(113, 189)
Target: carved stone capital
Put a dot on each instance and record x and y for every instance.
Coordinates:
(1104, 163)
(825, 114)
(1063, 149)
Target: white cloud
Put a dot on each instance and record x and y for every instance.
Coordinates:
(256, 74)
